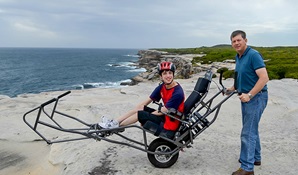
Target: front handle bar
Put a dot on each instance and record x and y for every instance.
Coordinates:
(54, 99)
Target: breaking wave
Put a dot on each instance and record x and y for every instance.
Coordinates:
(100, 84)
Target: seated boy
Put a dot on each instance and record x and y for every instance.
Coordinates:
(169, 91)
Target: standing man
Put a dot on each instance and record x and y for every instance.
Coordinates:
(251, 76)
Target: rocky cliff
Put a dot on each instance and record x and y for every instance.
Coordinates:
(150, 58)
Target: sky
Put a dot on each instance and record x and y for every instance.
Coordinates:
(146, 23)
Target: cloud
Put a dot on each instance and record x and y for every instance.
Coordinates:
(130, 23)
(32, 29)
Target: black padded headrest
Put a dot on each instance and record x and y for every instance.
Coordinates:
(200, 89)
(202, 85)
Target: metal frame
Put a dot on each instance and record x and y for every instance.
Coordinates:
(184, 136)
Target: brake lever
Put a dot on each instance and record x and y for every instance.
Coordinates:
(159, 106)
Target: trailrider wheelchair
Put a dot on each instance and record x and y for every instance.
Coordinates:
(162, 152)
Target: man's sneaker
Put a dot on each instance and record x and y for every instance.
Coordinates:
(108, 124)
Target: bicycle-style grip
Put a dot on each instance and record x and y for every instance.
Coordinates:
(48, 102)
(62, 95)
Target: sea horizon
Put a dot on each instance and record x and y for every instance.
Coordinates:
(39, 69)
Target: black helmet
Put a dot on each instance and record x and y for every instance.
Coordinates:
(166, 66)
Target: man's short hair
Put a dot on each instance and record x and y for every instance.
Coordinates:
(237, 32)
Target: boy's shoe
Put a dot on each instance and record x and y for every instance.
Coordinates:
(103, 120)
(108, 124)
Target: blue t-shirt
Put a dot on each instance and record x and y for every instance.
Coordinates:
(246, 67)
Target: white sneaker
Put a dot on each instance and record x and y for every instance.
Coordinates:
(108, 124)
(112, 124)
(104, 120)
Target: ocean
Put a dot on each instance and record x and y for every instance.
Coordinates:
(35, 70)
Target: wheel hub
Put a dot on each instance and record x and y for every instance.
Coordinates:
(162, 157)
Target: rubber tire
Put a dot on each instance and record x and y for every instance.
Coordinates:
(155, 146)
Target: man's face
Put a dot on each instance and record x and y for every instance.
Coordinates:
(167, 76)
(239, 44)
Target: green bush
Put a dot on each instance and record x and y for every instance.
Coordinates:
(228, 74)
(281, 62)
(223, 69)
(280, 71)
(292, 75)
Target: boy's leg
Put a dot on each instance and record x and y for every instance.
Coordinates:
(141, 115)
(130, 120)
(130, 114)
(144, 116)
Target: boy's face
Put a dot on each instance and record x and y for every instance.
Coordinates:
(167, 76)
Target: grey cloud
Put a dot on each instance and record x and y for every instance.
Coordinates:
(144, 24)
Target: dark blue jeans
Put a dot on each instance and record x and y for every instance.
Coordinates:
(250, 140)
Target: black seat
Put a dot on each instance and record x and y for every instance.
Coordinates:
(158, 130)
(192, 102)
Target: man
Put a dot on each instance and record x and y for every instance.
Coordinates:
(251, 84)
(172, 96)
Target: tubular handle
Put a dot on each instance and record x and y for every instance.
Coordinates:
(220, 78)
(62, 95)
(54, 99)
(48, 102)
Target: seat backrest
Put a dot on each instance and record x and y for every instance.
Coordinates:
(199, 91)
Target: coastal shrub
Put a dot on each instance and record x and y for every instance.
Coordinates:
(293, 75)
(226, 72)
(223, 69)
(283, 71)
(281, 62)
(272, 75)
(280, 71)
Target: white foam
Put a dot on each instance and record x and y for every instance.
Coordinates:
(134, 56)
(137, 70)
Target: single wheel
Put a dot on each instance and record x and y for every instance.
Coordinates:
(161, 160)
